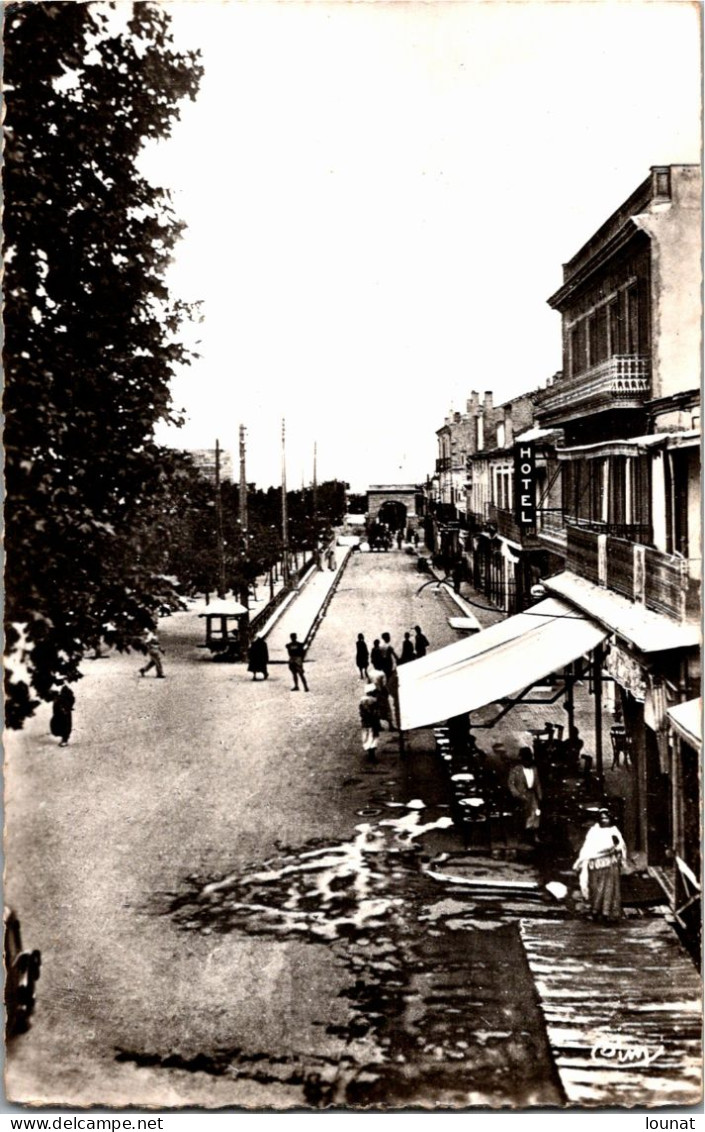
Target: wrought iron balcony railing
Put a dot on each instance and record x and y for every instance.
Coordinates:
(621, 382)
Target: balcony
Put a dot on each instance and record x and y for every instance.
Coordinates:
(631, 532)
(507, 527)
(621, 382)
(551, 527)
(647, 576)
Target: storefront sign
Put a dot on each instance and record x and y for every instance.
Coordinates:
(525, 484)
(626, 671)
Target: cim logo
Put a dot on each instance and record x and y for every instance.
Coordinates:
(620, 1053)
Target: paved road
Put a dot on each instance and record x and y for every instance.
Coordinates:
(233, 909)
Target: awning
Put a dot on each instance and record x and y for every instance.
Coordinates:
(223, 607)
(648, 630)
(467, 624)
(498, 662)
(687, 720)
(632, 446)
(539, 434)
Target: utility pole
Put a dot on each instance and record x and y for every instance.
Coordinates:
(244, 593)
(243, 484)
(285, 517)
(315, 485)
(219, 525)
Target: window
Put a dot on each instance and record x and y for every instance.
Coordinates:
(577, 360)
(633, 320)
(616, 345)
(593, 340)
(618, 500)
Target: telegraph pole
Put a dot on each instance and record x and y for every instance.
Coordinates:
(285, 517)
(243, 484)
(219, 524)
(244, 594)
(315, 484)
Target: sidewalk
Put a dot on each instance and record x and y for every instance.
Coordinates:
(302, 610)
(622, 1010)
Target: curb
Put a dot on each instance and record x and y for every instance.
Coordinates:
(327, 599)
(464, 607)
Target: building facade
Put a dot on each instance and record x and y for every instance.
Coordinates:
(616, 531)
(628, 478)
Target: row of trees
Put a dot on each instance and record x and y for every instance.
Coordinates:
(193, 544)
(99, 520)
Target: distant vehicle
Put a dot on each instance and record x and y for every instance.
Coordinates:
(381, 541)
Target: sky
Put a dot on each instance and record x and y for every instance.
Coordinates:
(379, 197)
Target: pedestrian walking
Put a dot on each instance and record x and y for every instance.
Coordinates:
(376, 655)
(296, 653)
(370, 722)
(407, 649)
(379, 682)
(330, 558)
(389, 657)
(420, 642)
(389, 667)
(362, 656)
(61, 720)
(258, 658)
(523, 784)
(154, 652)
(400, 538)
(599, 865)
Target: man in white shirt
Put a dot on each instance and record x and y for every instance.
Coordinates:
(524, 785)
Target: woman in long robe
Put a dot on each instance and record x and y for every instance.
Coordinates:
(599, 864)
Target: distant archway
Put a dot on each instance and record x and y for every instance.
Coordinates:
(393, 513)
(405, 495)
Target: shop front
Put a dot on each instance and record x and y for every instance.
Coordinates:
(685, 738)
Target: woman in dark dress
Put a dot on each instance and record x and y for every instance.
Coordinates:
(258, 658)
(376, 655)
(62, 715)
(407, 649)
(362, 656)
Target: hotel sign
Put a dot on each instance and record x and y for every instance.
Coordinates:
(525, 484)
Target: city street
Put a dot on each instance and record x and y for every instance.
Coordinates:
(234, 909)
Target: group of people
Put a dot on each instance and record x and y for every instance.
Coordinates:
(379, 666)
(603, 852)
(382, 650)
(602, 855)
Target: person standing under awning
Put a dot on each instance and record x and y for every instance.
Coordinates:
(524, 785)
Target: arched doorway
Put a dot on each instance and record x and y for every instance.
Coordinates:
(393, 514)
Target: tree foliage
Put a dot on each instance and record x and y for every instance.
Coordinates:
(91, 334)
(190, 534)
